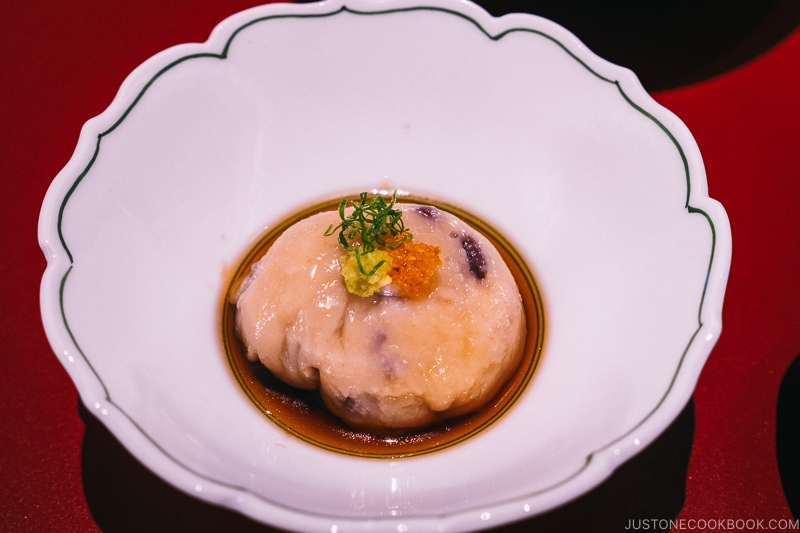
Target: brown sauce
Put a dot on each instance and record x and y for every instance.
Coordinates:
(303, 413)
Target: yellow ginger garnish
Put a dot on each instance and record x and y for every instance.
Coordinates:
(365, 284)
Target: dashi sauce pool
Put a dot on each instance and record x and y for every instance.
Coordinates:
(303, 414)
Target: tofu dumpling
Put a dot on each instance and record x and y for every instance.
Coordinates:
(385, 362)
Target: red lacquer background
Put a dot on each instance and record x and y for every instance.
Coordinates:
(62, 64)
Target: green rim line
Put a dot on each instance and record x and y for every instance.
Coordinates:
(222, 55)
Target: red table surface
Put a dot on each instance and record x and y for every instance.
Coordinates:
(62, 64)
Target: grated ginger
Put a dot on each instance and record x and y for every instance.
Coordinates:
(359, 284)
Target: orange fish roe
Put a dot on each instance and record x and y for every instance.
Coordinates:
(413, 267)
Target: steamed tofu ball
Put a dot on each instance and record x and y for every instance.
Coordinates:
(385, 362)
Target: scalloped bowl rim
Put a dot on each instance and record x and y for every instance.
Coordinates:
(603, 461)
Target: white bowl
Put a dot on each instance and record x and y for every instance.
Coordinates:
(206, 145)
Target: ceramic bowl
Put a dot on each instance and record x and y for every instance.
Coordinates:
(206, 146)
